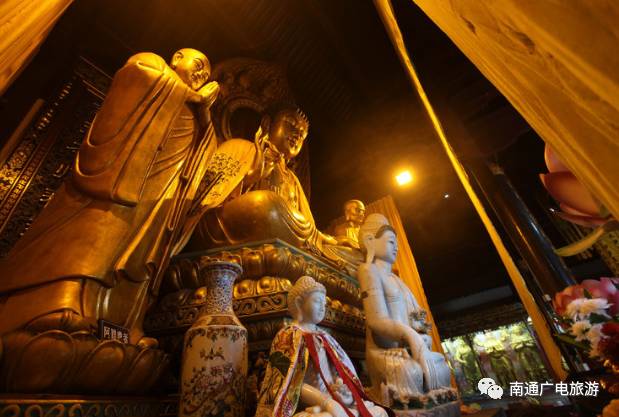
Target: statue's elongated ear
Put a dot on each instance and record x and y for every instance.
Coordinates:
(369, 243)
(178, 55)
(298, 302)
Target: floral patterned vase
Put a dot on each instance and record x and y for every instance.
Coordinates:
(214, 366)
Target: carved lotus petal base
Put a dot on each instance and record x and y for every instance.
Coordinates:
(58, 362)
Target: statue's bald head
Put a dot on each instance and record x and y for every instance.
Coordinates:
(354, 211)
(192, 66)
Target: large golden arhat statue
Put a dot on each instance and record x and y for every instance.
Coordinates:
(97, 252)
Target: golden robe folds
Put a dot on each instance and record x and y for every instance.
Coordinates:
(99, 247)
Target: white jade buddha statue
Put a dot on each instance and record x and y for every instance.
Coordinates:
(308, 366)
(395, 323)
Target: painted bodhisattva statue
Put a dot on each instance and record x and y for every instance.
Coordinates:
(98, 249)
(394, 324)
(307, 366)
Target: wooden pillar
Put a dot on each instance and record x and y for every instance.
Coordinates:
(549, 272)
(556, 62)
(24, 25)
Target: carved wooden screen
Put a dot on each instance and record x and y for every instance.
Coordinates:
(38, 163)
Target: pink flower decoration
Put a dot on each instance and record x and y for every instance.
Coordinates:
(599, 288)
(563, 298)
(614, 300)
(604, 288)
(553, 163)
(577, 204)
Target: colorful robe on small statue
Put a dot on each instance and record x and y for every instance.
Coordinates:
(294, 360)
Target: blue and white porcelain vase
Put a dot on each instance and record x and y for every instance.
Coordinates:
(214, 365)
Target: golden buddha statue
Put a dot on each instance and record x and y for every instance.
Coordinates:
(527, 352)
(465, 356)
(347, 233)
(99, 248)
(498, 357)
(260, 196)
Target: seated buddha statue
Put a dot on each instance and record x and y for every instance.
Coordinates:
(258, 196)
(401, 365)
(98, 249)
(308, 367)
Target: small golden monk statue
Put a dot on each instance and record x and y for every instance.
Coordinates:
(98, 249)
(347, 233)
(257, 196)
(308, 367)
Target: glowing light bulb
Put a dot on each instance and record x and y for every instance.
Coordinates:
(446, 196)
(404, 177)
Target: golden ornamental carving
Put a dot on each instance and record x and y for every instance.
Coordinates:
(180, 309)
(262, 286)
(608, 248)
(249, 86)
(263, 261)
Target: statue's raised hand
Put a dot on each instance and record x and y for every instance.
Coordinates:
(261, 139)
(209, 93)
